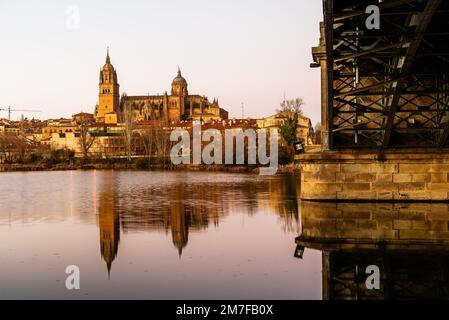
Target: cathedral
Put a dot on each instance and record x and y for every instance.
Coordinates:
(176, 106)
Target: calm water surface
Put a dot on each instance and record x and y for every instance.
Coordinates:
(153, 235)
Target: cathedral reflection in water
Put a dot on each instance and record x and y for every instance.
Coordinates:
(191, 208)
(109, 223)
(408, 242)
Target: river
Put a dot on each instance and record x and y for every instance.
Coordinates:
(153, 235)
(197, 235)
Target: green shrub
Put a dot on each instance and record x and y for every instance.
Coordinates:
(60, 156)
(286, 154)
(142, 163)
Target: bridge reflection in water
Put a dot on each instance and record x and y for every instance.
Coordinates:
(408, 242)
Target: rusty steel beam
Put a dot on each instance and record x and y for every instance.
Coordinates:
(361, 106)
(328, 6)
(444, 135)
(364, 89)
(368, 52)
(382, 6)
(390, 93)
(378, 80)
(423, 22)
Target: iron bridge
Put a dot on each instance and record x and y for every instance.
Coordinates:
(387, 88)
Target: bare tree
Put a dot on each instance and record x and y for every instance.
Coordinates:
(317, 133)
(162, 141)
(7, 143)
(128, 120)
(290, 111)
(86, 138)
(13, 149)
(291, 108)
(146, 138)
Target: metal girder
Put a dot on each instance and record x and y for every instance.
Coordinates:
(405, 274)
(365, 108)
(422, 24)
(387, 88)
(365, 89)
(385, 5)
(444, 136)
(363, 93)
(329, 30)
(369, 52)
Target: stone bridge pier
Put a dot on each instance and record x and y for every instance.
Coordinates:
(363, 177)
(385, 104)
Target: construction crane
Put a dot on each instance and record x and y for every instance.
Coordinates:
(16, 110)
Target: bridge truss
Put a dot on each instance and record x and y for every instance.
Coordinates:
(387, 88)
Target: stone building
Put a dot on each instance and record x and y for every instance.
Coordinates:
(83, 118)
(304, 130)
(107, 109)
(176, 106)
(108, 140)
(63, 126)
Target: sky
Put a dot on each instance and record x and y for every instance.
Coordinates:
(239, 51)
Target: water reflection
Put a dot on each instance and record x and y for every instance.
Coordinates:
(180, 207)
(109, 223)
(283, 198)
(408, 242)
(154, 235)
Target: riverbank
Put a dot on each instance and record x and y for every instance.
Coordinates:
(290, 168)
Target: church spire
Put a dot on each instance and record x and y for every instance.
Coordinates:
(108, 60)
(109, 264)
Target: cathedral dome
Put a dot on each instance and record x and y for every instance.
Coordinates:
(179, 78)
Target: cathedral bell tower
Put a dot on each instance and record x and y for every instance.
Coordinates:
(179, 91)
(179, 85)
(109, 96)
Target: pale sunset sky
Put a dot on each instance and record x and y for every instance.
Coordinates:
(236, 50)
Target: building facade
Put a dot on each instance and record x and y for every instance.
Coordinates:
(176, 106)
(304, 130)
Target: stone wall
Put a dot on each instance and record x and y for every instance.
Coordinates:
(362, 223)
(364, 177)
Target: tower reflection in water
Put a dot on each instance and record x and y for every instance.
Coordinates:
(408, 242)
(183, 206)
(108, 222)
